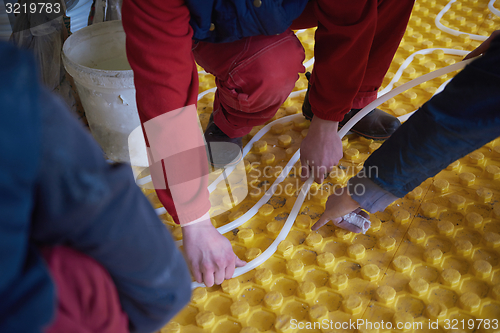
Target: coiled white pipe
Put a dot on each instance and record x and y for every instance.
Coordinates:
(270, 192)
(452, 31)
(305, 189)
(309, 62)
(249, 146)
(147, 179)
(297, 93)
(281, 236)
(203, 93)
(493, 9)
(227, 171)
(408, 60)
(399, 90)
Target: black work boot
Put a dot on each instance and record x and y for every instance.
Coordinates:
(222, 150)
(376, 125)
(306, 106)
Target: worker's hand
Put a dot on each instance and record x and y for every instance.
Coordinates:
(339, 204)
(320, 150)
(209, 254)
(483, 47)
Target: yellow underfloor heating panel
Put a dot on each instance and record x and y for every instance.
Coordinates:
(429, 263)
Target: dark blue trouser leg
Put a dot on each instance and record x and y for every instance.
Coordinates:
(462, 118)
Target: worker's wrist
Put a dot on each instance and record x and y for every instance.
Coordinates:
(344, 197)
(370, 196)
(321, 125)
(351, 202)
(203, 221)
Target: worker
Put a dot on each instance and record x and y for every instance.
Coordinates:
(256, 59)
(462, 118)
(82, 250)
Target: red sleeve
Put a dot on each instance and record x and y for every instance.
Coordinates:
(342, 46)
(159, 43)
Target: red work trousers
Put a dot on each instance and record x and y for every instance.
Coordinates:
(256, 74)
(87, 300)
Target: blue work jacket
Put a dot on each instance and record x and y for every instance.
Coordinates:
(57, 189)
(220, 21)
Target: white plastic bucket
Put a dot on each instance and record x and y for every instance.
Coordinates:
(95, 57)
